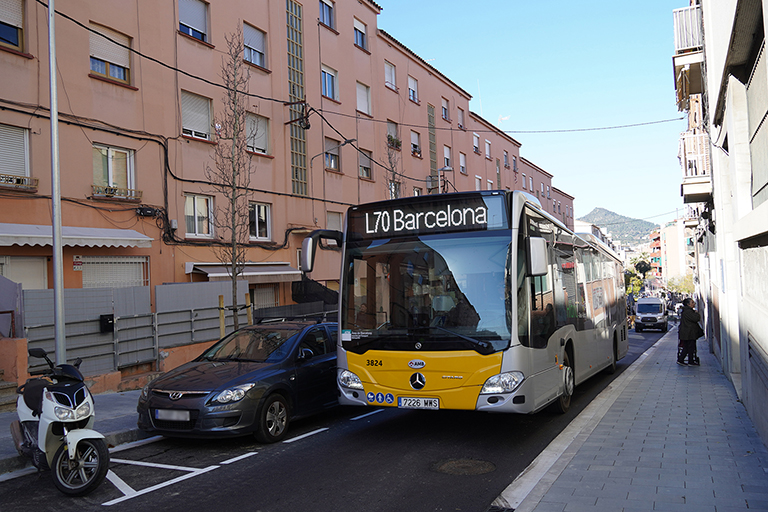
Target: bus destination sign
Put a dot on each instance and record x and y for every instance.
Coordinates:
(427, 216)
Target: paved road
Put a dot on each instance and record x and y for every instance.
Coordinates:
(347, 459)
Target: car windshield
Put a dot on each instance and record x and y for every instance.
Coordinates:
(268, 344)
(648, 309)
(440, 292)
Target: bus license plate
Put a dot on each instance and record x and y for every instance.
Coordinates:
(171, 415)
(418, 403)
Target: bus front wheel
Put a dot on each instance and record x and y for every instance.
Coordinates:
(564, 402)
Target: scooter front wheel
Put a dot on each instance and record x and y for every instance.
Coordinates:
(83, 473)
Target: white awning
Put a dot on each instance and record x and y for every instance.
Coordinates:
(254, 273)
(71, 236)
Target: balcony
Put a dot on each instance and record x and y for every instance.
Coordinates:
(124, 194)
(696, 166)
(689, 54)
(19, 183)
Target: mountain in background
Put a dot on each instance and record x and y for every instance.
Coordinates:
(622, 229)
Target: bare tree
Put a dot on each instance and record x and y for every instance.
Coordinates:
(393, 162)
(231, 173)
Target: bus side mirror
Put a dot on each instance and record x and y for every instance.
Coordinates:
(309, 246)
(538, 256)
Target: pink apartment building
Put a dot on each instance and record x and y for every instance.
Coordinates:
(341, 111)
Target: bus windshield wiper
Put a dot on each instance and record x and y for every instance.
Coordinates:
(486, 347)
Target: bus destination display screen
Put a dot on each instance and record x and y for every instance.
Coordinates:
(425, 215)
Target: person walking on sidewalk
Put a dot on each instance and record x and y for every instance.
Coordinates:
(688, 332)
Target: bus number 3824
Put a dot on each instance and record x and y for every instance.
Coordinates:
(374, 362)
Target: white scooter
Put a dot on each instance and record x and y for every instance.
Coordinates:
(55, 428)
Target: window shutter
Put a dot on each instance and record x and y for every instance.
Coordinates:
(414, 138)
(195, 113)
(12, 13)
(106, 50)
(258, 133)
(362, 98)
(359, 25)
(253, 38)
(389, 73)
(193, 14)
(13, 150)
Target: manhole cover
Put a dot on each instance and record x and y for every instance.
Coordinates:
(464, 467)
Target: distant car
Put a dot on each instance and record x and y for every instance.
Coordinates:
(255, 380)
(651, 314)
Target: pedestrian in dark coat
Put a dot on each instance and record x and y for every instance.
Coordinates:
(688, 332)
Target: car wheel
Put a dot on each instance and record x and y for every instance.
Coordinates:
(569, 382)
(273, 419)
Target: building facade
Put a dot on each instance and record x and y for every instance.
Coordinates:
(338, 112)
(721, 82)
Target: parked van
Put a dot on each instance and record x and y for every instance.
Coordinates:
(651, 313)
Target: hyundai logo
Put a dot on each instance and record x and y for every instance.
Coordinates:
(418, 381)
(175, 395)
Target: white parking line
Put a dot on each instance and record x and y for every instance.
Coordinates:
(306, 435)
(153, 465)
(241, 457)
(120, 484)
(366, 415)
(160, 486)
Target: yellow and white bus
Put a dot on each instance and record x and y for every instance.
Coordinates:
(473, 300)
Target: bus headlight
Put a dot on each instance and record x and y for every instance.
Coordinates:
(350, 380)
(503, 383)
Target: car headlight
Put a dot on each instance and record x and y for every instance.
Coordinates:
(503, 383)
(145, 391)
(350, 380)
(234, 394)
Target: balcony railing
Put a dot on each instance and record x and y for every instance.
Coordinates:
(687, 23)
(18, 182)
(694, 154)
(128, 194)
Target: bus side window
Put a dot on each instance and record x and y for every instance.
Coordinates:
(523, 311)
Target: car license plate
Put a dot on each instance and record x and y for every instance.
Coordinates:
(418, 403)
(171, 415)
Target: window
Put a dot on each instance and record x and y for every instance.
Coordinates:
(506, 159)
(415, 143)
(559, 210)
(112, 170)
(334, 221)
(393, 138)
(461, 118)
(259, 221)
(514, 163)
(198, 214)
(332, 154)
(548, 196)
(389, 75)
(417, 191)
(363, 98)
(446, 109)
(12, 24)
(107, 58)
(478, 183)
(476, 143)
(329, 79)
(361, 39)
(489, 184)
(487, 149)
(530, 182)
(365, 164)
(326, 13)
(115, 271)
(195, 116)
(394, 190)
(193, 19)
(542, 189)
(255, 46)
(265, 296)
(14, 153)
(258, 134)
(463, 163)
(446, 156)
(413, 89)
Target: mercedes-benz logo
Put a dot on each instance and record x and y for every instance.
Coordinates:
(418, 381)
(176, 395)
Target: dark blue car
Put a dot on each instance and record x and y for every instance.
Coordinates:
(255, 380)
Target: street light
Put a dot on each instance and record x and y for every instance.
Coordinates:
(440, 176)
(311, 178)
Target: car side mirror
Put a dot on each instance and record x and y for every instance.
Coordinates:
(305, 354)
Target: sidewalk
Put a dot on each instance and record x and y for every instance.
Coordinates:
(660, 437)
(115, 418)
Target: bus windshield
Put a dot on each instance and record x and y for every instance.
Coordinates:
(428, 292)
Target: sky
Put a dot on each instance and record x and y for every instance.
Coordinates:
(563, 68)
